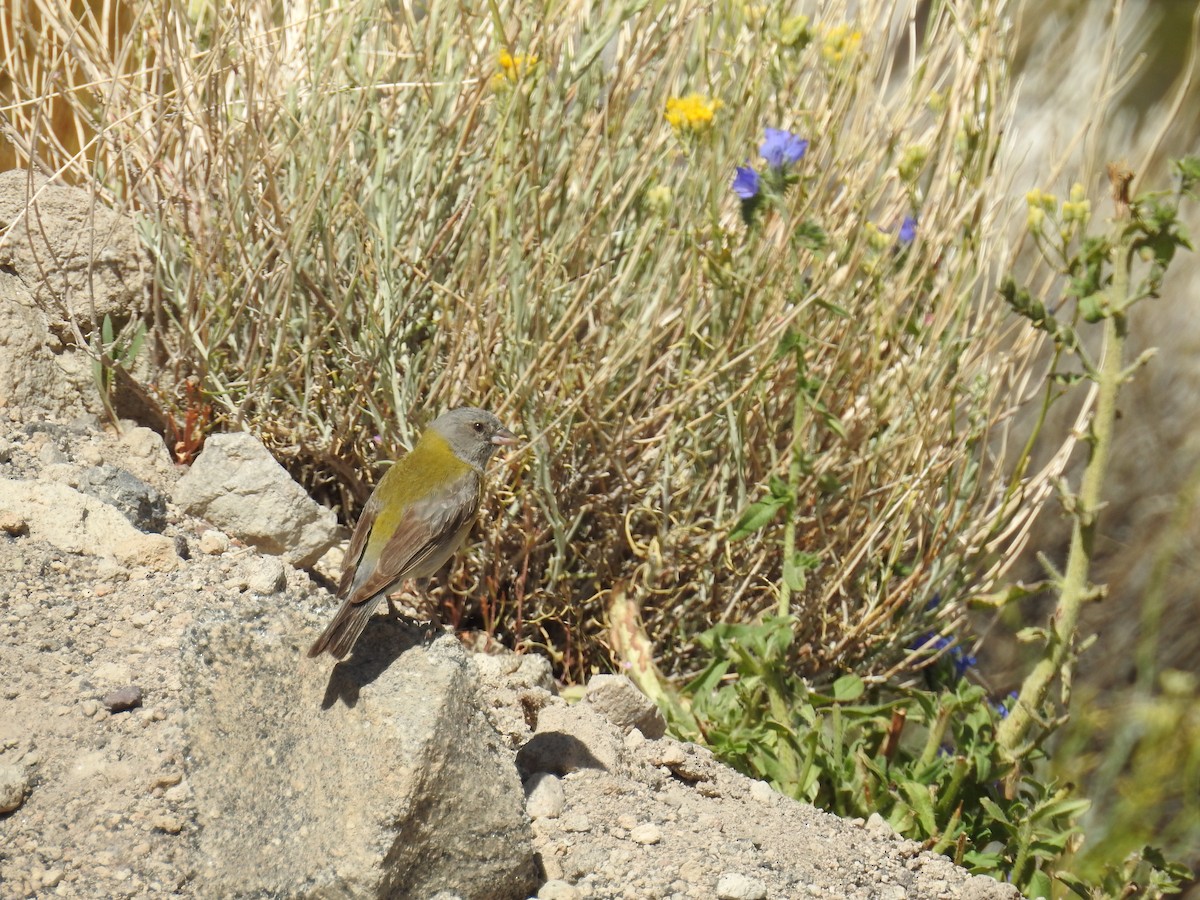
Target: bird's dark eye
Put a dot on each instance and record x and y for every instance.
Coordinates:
(478, 426)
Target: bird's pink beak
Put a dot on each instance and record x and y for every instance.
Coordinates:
(504, 438)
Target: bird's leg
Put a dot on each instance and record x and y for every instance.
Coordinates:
(393, 613)
(434, 626)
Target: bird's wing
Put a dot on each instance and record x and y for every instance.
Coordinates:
(358, 543)
(422, 537)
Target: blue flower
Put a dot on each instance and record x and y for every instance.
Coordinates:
(746, 183)
(1002, 708)
(908, 230)
(938, 644)
(782, 148)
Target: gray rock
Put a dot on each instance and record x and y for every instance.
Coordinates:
(238, 486)
(122, 699)
(77, 523)
(14, 787)
(137, 501)
(620, 701)
(380, 777)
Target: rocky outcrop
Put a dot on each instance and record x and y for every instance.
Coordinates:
(66, 262)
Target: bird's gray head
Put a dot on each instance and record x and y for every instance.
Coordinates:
(473, 434)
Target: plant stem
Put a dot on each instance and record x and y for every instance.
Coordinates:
(1075, 589)
(794, 471)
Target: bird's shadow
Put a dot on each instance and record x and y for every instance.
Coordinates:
(384, 641)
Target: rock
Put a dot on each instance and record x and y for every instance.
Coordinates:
(213, 542)
(66, 262)
(14, 787)
(267, 576)
(13, 523)
(735, 886)
(122, 699)
(238, 486)
(137, 501)
(570, 738)
(144, 453)
(544, 796)
(360, 780)
(647, 833)
(85, 261)
(76, 523)
(620, 701)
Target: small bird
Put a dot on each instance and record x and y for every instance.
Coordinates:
(417, 516)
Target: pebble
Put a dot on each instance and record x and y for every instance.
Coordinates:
(267, 577)
(648, 833)
(763, 793)
(14, 787)
(577, 822)
(13, 524)
(169, 824)
(544, 797)
(89, 707)
(213, 542)
(128, 697)
(735, 886)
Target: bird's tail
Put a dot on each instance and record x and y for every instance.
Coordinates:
(339, 637)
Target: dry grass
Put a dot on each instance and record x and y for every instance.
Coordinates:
(358, 220)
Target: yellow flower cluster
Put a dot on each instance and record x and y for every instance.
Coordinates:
(1039, 203)
(512, 69)
(1078, 208)
(840, 43)
(693, 113)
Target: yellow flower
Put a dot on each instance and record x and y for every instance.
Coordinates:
(512, 69)
(658, 199)
(1036, 219)
(693, 113)
(877, 238)
(1037, 199)
(841, 42)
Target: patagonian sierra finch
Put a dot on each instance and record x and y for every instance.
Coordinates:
(417, 516)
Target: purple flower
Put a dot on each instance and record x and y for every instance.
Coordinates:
(908, 230)
(746, 183)
(782, 148)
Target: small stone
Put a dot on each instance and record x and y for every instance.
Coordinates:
(619, 700)
(268, 576)
(877, 824)
(89, 707)
(168, 779)
(122, 699)
(577, 822)
(14, 787)
(555, 889)
(735, 886)
(168, 824)
(544, 796)
(627, 822)
(648, 833)
(763, 793)
(213, 542)
(671, 756)
(13, 524)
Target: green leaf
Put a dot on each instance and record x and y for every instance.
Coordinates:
(993, 809)
(921, 802)
(848, 688)
(756, 517)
